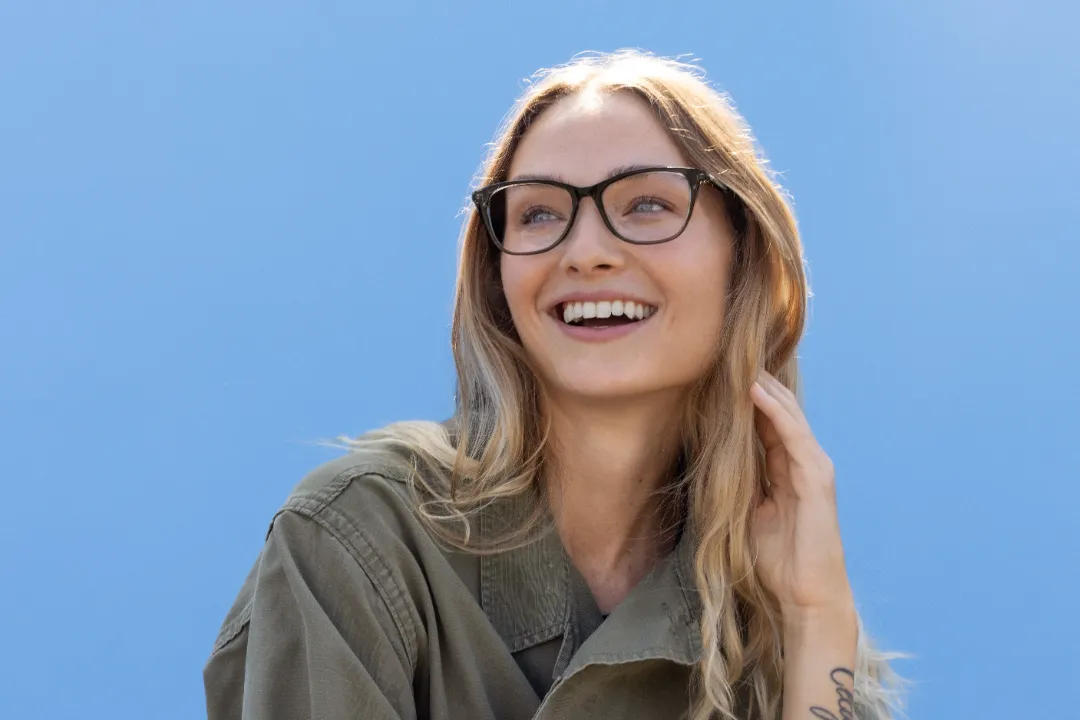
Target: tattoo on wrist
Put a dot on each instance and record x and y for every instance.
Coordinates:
(845, 698)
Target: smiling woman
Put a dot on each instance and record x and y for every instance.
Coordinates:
(628, 514)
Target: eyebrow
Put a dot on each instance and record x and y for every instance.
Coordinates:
(559, 178)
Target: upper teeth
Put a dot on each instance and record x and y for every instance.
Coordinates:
(572, 311)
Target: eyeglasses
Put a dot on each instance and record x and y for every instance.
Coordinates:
(643, 206)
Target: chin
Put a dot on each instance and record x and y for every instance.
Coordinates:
(606, 386)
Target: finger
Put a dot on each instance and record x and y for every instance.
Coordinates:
(795, 434)
(783, 394)
(775, 390)
(769, 437)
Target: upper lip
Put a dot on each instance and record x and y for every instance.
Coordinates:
(598, 295)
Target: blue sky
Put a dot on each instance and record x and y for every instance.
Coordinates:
(228, 231)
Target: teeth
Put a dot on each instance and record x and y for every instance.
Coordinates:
(574, 311)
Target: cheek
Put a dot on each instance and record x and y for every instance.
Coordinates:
(696, 284)
(521, 282)
(699, 273)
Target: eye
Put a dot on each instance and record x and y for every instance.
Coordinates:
(538, 215)
(649, 205)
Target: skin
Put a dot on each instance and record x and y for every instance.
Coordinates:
(614, 405)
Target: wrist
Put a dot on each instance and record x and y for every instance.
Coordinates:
(839, 618)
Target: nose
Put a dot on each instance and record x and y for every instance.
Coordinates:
(591, 247)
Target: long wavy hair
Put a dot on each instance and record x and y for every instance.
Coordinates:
(496, 445)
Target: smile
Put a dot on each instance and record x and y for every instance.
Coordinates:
(602, 320)
(604, 312)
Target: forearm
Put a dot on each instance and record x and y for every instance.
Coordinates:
(819, 664)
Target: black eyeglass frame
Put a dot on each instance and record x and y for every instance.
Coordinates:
(695, 177)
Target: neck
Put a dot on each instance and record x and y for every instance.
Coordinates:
(609, 464)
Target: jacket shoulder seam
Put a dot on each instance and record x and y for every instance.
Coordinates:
(312, 502)
(232, 630)
(359, 545)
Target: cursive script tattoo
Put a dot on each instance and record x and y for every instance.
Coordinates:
(846, 705)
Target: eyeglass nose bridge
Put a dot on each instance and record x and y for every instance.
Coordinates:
(593, 191)
(596, 192)
(579, 194)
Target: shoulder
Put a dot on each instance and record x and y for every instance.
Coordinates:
(373, 489)
(362, 498)
(336, 570)
(375, 476)
(350, 529)
(356, 483)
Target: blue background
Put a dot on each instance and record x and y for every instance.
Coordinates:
(228, 231)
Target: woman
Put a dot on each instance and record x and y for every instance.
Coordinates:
(628, 515)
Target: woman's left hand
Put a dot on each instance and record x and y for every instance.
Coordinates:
(796, 532)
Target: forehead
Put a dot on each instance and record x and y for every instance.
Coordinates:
(584, 136)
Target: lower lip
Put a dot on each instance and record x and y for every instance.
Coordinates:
(604, 334)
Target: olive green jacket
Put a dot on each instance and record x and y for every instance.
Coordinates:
(353, 612)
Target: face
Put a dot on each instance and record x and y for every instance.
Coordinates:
(678, 287)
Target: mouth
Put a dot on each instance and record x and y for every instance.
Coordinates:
(602, 314)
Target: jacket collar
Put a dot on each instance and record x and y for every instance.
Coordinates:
(528, 594)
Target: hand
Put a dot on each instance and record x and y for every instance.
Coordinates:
(795, 530)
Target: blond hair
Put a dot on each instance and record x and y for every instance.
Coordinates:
(498, 440)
